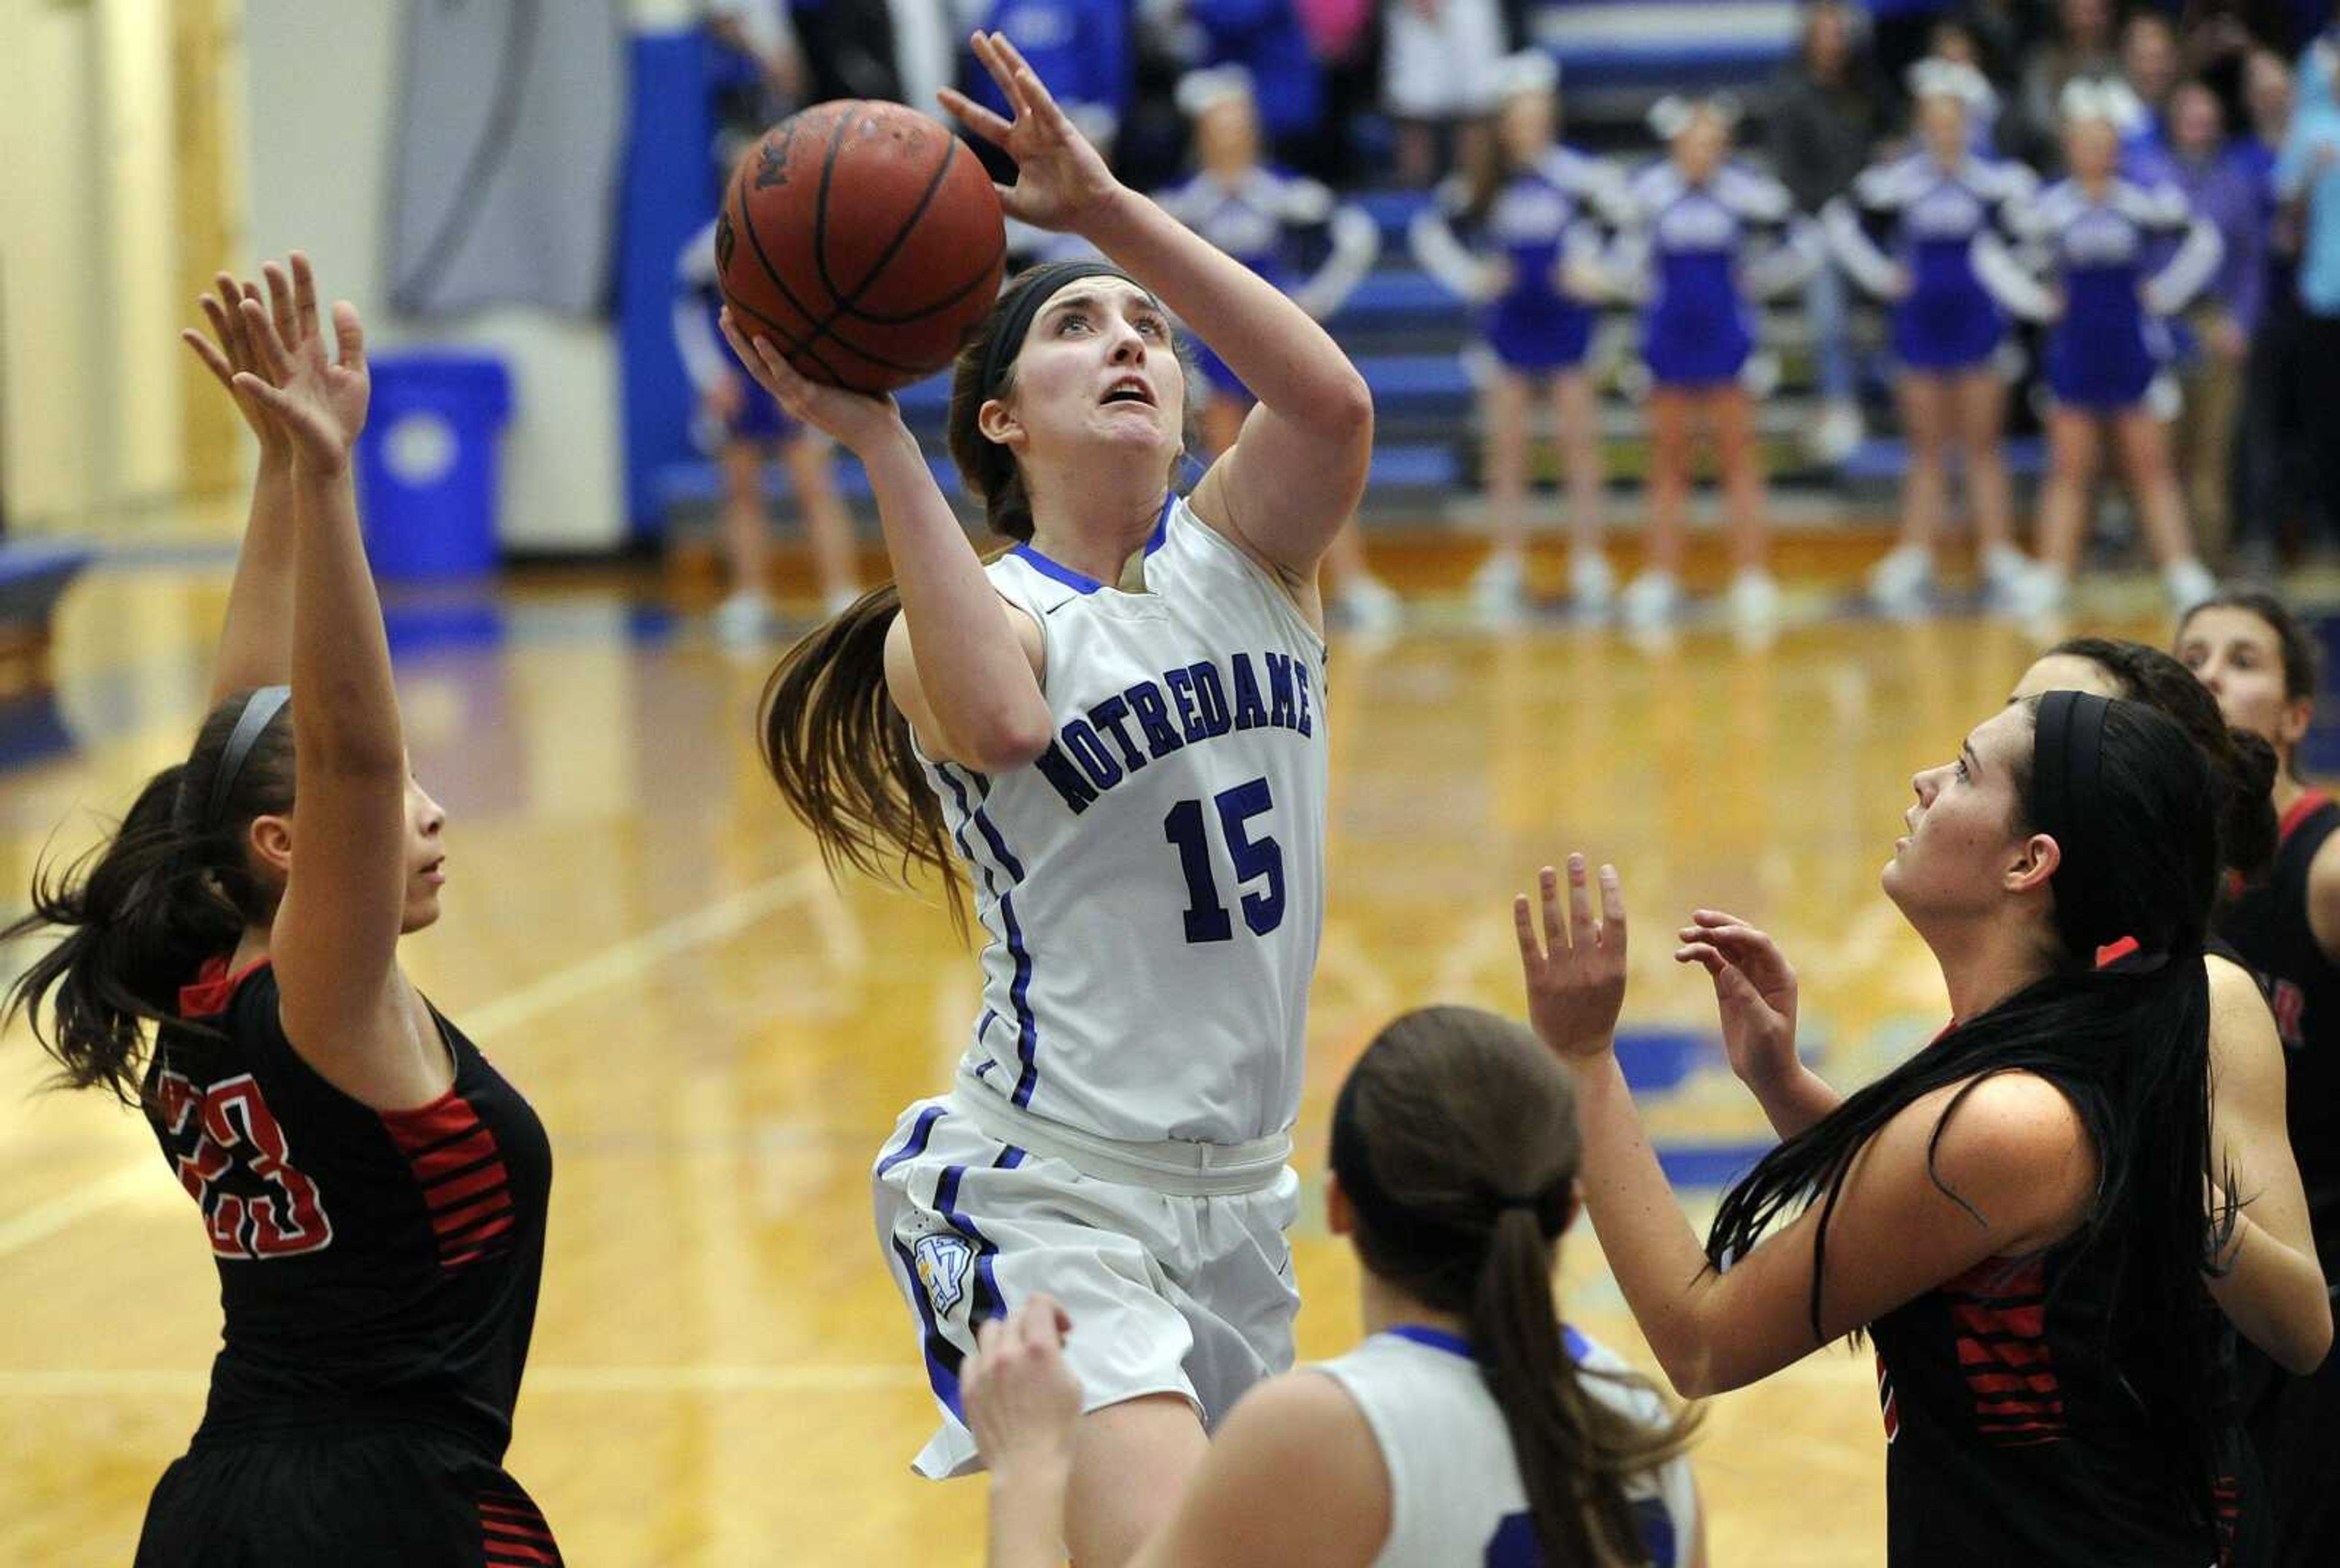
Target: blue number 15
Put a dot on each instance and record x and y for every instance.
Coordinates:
(1207, 917)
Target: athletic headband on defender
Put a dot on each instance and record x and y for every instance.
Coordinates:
(1033, 290)
(1391, 1220)
(259, 709)
(2066, 773)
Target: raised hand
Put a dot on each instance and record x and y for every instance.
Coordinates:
(1754, 992)
(859, 421)
(1060, 178)
(1023, 1403)
(318, 400)
(1575, 971)
(235, 351)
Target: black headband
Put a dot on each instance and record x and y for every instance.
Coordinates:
(2066, 789)
(1033, 290)
(1414, 1233)
(259, 709)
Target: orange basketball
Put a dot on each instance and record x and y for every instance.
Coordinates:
(863, 238)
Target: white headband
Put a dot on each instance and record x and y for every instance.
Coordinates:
(1937, 78)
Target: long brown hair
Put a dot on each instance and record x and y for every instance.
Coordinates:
(1456, 1141)
(832, 738)
(141, 912)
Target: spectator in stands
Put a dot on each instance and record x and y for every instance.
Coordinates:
(2149, 66)
(1533, 218)
(1901, 34)
(1439, 59)
(1698, 251)
(2096, 231)
(2218, 328)
(1258, 214)
(2307, 172)
(1939, 209)
(1081, 48)
(2082, 47)
(2271, 436)
(1265, 38)
(1820, 122)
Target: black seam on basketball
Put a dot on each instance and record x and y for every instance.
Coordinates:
(791, 345)
(894, 246)
(820, 211)
(981, 275)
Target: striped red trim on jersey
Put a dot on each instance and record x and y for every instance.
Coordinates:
(462, 1173)
(513, 1534)
(2000, 1313)
(214, 988)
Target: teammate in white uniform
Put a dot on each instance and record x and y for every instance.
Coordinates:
(1471, 1427)
(1119, 729)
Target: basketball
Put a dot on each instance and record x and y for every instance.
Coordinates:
(863, 238)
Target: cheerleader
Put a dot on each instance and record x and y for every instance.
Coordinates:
(2108, 340)
(1941, 204)
(1691, 255)
(1534, 210)
(1255, 212)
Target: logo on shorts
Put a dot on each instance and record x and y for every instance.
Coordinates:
(942, 1268)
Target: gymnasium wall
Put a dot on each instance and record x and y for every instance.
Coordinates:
(87, 217)
(320, 85)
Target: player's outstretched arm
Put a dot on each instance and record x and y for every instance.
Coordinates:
(255, 647)
(1295, 473)
(335, 942)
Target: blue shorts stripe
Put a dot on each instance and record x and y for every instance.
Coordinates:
(943, 1357)
(988, 1301)
(916, 1144)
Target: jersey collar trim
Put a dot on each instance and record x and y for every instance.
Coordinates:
(214, 988)
(1434, 1338)
(1081, 581)
(2301, 809)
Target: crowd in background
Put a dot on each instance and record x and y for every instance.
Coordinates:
(2225, 114)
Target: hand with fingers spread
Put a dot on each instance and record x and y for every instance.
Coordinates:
(1575, 970)
(232, 351)
(317, 400)
(1022, 1401)
(1754, 991)
(1061, 179)
(858, 421)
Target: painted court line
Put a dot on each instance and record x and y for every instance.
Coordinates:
(629, 959)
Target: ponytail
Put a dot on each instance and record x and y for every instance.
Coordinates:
(142, 911)
(841, 753)
(1455, 1138)
(1575, 1454)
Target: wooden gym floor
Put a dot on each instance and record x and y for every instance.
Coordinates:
(717, 1039)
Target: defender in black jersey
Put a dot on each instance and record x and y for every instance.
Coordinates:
(2260, 663)
(373, 1192)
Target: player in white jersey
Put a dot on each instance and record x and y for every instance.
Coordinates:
(1119, 729)
(1471, 1427)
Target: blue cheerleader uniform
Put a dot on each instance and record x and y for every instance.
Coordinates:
(1258, 221)
(1692, 251)
(1937, 218)
(1556, 209)
(2111, 339)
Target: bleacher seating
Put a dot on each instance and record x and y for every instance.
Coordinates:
(33, 575)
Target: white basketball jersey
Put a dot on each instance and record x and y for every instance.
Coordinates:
(1152, 887)
(1455, 1497)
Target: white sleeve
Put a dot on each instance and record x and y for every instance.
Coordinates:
(1786, 265)
(2167, 290)
(1356, 246)
(704, 359)
(1850, 243)
(1430, 237)
(2006, 280)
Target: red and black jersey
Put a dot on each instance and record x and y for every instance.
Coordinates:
(2268, 924)
(2013, 1439)
(376, 1267)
